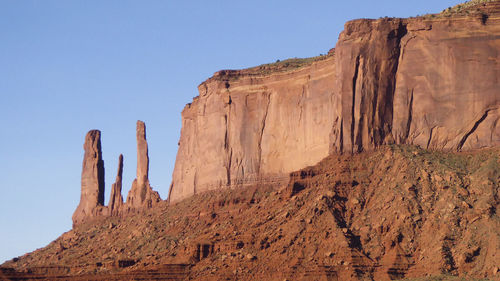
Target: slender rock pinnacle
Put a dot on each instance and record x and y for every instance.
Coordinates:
(92, 194)
(116, 199)
(142, 154)
(141, 194)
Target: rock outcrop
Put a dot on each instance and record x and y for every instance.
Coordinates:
(373, 209)
(248, 126)
(395, 213)
(141, 194)
(429, 81)
(92, 194)
(367, 62)
(116, 199)
(433, 83)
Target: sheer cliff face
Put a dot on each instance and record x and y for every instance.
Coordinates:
(429, 82)
(248, 127)
(447, 90)
(367, 62)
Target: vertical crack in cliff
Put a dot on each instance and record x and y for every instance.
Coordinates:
(341, 136)
(300, 103)
(408, 122)
(472, 130)
(195, 181)
(228, 150)
(263, 126)
(226, 140)
(228, 167)
(353, 108)
(228, 156)
(430, 137)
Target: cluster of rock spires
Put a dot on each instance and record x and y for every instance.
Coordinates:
(140, 196)
(425, 81)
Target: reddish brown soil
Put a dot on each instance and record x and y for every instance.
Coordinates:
(395, 213)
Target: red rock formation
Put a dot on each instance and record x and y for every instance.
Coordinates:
(92, 198)
(429, 81)
(391, 213)
(116, 199)
(255, 125)
(141, 194)
(433, 83)
(446, 94)
(92, 195)
(367, 61)
(397, 212)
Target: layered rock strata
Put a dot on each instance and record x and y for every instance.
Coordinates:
(245, 127)
(428, 81)
(140, 196)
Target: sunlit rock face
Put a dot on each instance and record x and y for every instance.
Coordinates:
(141, 196)
(431, 82)
(246, 126)
(92, 194)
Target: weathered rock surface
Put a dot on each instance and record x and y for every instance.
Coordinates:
(360, 213)
(397, 212)
(246, 127)
(116, 199)
(430, 81)
(433, 83)
(92, 194)
(141, 194)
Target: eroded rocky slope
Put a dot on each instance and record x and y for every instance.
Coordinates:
(397, 212)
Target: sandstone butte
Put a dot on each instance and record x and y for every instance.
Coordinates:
(431, 82)
(390, 95)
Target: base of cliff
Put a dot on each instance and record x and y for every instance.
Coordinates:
(399, 212)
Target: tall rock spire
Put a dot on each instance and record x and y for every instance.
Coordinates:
(92, 194)
(142, 154)
(116, 198)
(141, 194)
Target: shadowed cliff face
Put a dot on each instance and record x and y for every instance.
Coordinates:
(367, 62)
(431, 82)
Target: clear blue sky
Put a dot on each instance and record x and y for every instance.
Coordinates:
(70, 66)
